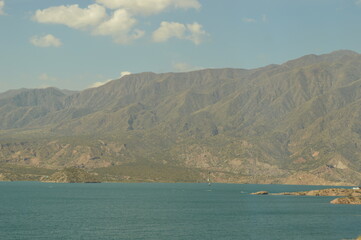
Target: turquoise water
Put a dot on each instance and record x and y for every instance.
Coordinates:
(30, 210)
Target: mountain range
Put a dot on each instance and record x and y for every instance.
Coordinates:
(296, 123)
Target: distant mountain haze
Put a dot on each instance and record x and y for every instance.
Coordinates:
(295, 123)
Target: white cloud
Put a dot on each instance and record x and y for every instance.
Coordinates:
(119, 26)
(45, 41)
(249, 20)
(44, 86)
(125, 73)
(187, 4)
(196, 33)
(98, 84)
(167, 30)
(2, 4)
(148, 7)
(262, 19)
(72, 16)
(46, 78)
(265, 19)
(185, 67)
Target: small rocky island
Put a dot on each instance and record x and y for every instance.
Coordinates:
(350, 196)
(347, 200)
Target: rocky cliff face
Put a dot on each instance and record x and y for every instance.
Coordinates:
(295, 123)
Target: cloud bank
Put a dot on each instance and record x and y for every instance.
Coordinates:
(119, 19)
(149, 7)
(45, 41)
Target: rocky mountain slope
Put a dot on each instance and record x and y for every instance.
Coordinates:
(297, 123)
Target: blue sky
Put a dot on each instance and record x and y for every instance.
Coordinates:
(74, 44)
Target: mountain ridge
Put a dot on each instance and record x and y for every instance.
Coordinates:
(297, 122)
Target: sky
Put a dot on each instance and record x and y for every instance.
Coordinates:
(77, 44)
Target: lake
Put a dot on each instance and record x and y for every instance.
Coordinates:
(163, 211)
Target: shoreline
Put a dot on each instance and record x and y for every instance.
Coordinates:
(204, 182)
(348, 196)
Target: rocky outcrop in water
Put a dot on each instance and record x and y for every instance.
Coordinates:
(352, 196)
(347, 200)
(260, 193)
(326, 192)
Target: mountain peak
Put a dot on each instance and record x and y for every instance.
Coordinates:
(314, 59)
